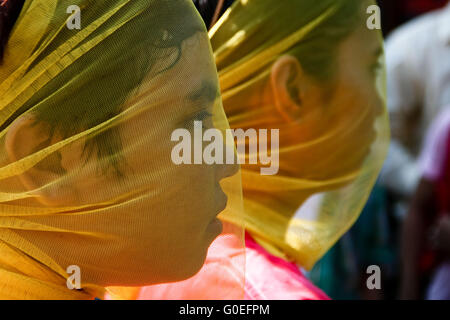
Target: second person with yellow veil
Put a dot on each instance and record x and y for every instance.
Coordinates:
(315, 72)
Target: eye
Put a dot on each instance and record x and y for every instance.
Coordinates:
(206, 94)
(202, 115)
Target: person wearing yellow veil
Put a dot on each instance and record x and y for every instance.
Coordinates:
(90, 198)
(315, 72)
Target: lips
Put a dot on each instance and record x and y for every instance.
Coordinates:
(222, 201)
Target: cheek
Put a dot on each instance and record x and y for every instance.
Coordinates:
(351, 114)
(312, 125)
(351, 102)
(184, 195)
(366, 94)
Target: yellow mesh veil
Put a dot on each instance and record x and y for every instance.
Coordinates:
(87, 175)
(313, 70)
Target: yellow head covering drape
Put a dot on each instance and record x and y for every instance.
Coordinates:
(87, 177)
(333, 132)
(333, 127)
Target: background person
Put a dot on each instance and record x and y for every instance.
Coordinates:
(426, 240)
(418, 65)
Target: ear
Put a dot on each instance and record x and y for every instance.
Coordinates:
(25, 137)
(287, 81)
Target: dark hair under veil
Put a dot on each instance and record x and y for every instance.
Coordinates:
(9, 12)
(212, 10)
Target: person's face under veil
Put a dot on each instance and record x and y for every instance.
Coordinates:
(315, 73)
(105, 194)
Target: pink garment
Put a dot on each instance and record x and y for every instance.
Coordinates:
(433, 155)
(267, 277)
(272, 278)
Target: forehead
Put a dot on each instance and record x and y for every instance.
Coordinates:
(196, 63)
(197, 51)
(363, 43)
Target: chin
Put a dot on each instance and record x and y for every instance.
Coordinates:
(180, 270)
(190, 263)
(187, 270)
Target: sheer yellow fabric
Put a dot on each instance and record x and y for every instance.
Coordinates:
(87, 177)
(315, 71)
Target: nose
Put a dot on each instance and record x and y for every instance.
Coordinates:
(230, 165)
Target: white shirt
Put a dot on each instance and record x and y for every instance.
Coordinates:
(418, 71)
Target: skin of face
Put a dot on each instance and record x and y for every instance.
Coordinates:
(342, 120)
(162, 232)
(193, 196)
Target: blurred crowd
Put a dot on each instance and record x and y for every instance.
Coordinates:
(405, 226)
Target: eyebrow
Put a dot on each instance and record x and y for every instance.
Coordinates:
(205, 94)
(208, 91)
